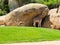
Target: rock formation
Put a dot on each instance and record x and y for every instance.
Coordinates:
(2, 20)
(13, 4)
(23, 16)
(38, 19)
(55, 18)
(46, 22)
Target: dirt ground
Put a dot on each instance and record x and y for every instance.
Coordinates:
(36, 43)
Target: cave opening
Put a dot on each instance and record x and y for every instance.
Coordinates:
(36, 24)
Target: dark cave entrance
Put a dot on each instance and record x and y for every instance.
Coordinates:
(36, 24)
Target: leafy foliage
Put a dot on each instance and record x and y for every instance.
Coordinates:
(2, 12)
(3, 7)
(50, 3)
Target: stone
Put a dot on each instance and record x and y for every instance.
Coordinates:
(2, 20)
(23, 16)
(13, 4)
(55, 18)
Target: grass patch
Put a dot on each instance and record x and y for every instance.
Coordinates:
(27, 34)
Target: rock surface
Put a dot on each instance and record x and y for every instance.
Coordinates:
(46, 22)
(24, 15)
(54, 18)
(13, 4)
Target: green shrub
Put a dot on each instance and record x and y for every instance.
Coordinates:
(2, 12)
(49, 3)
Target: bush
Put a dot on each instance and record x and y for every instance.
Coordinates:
(49, 3)
(2, 12)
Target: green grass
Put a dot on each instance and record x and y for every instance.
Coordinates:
(27, 34)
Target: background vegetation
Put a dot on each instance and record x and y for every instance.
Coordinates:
(50, 3)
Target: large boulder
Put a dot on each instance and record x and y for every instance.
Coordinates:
(55, 18)
(46, 22)
(2, 20)
(13, 4)
(24, 15)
